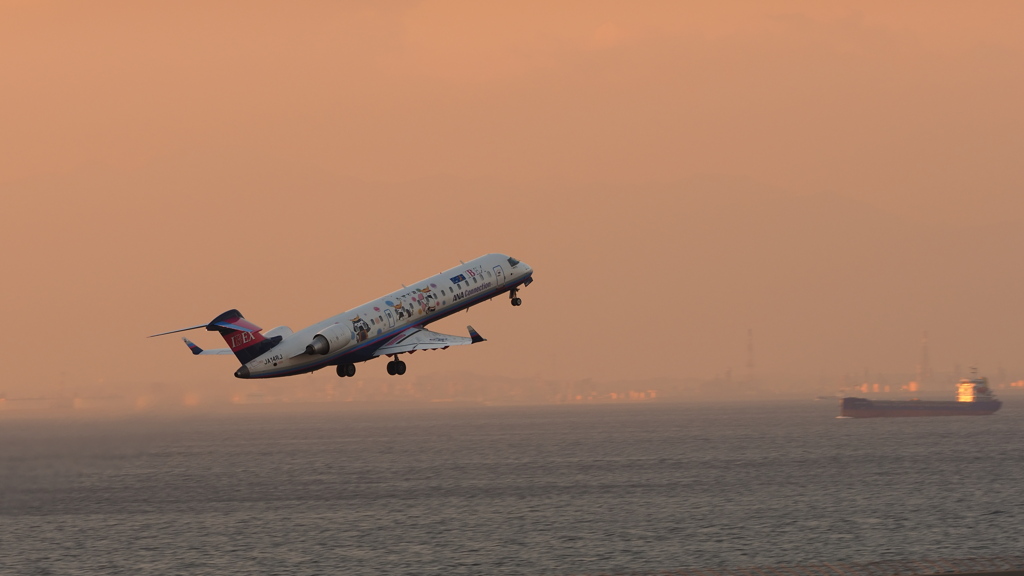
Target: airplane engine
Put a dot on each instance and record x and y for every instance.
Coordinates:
(334, 337)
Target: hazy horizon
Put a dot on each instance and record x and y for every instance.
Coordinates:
(836, 178)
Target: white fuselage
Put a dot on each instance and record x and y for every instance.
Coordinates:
(361, 330)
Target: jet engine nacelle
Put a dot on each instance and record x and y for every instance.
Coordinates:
(334, 337)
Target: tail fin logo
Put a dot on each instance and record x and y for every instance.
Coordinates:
(242, 336)
(242, 339)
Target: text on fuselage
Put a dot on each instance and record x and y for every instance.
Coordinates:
(471, 291)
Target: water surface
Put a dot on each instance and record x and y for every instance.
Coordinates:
(490, 490)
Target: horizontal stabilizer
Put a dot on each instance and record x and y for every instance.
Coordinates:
(238, 325)
(230, 321)
(421, 339)
(243, 337)
(179, 330)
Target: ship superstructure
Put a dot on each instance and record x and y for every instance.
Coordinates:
(974, 390)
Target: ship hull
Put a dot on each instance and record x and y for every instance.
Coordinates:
(864, 408)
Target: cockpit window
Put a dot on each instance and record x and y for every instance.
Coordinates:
(513, 262)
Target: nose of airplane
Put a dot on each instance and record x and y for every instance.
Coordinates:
(242, 372)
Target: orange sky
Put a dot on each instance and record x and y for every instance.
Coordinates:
(838, 176)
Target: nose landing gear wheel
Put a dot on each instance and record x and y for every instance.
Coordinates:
(516, 301)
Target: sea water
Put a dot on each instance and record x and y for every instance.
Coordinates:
(503, 490)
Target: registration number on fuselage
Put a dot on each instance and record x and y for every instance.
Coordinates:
(273, 359)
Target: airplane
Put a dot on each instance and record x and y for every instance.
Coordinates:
(388, 326)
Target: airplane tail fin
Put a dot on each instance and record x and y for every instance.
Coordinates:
(242, 336)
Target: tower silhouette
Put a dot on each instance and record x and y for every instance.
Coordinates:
(924, 370)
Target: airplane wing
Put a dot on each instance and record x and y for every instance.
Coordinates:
(197, 350)
(422, 339)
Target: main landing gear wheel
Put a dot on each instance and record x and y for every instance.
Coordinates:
(516, 301)
(396, 367)
(346, 370)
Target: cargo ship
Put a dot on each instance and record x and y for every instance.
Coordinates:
(973, 398)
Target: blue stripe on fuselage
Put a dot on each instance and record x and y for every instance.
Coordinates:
(365, 351)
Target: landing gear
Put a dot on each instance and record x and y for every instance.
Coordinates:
(346, 370)
(396, 367)
(516, 301)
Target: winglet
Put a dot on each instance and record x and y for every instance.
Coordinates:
(475, 336)
(196, 350)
